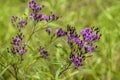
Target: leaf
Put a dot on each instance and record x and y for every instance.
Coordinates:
(30, 47)
(60, 47)
(48, 74)
(2, 72)
(57, 73)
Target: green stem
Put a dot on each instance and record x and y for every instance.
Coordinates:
(15, 71)
(65, 69)
(42, 28)
(33, 31)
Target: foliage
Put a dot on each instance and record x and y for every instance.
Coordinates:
(104, 63)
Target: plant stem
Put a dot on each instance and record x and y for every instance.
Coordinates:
(65, 69)
(33, 31)
(15, 71)
(42, 27)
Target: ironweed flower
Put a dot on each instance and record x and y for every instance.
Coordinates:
(76, 60)
(13, 18)
(48, 30)
(53, 16)
(22, 51)
(17, 45)
(34, 6)
(43, 52)
(22, 23)
(89, 48)
(90, 34)
(36, 13)
(80, 43)
(46, 18)
(60, 32)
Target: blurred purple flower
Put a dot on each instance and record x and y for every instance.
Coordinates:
(22, 51)
(89, 49)
(76, 60)
(60, 32)
(13, 18)
(43, 52)
(44, 17)
(22, 23)
(48, 30)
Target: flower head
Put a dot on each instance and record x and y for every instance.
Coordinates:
(60, 32)
(22, 22)
(48, 30)
(13, 18)
(22, 51)
(76, 60)
(43, 52)
(90, 34)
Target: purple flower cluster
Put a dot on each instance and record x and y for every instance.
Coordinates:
(36, 13)
(18, 22)
(43, 52)
(34, 6)
(76, 60)
(17, 45)
(13, 18)
(60, 32)
(84, 41)
(80, 43)
(90, 34)
(48, 30)
(22, 23)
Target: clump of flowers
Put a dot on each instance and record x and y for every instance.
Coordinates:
(80, 44)
(18, 45)
(36, 13)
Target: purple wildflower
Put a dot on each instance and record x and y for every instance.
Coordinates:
(43, 52)
(13, 18)
(16, 47)
(48, 30)
(60, 32)
(34, 6)
(16, 41)
(90, 34)
(89, 48)
(76, 60)
(47, 18)
(40, 7)
(22, 51)
(32, 15)
(22, 22)
(53, 16)
(78, 41)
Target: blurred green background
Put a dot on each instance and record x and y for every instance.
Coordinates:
(105, 14)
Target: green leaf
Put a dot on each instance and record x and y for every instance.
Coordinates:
(2, 72)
